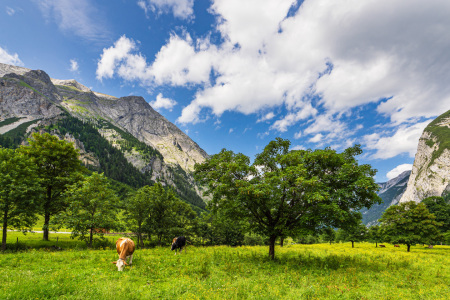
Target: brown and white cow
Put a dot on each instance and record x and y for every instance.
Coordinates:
(125, 249)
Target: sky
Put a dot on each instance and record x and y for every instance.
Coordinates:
(236, 74)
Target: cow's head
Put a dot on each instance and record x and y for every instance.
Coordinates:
(120, 264)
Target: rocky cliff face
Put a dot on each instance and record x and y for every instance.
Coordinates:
(27, 95)
(431, 170)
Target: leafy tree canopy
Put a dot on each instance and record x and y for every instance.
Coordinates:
(285, 193)
(441, 209)
(19, 191)
(409, 223)
(57, 162)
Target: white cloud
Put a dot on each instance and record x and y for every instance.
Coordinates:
(162, 102)
(393, 53)
(113, 56)
(398, 170)
(405, 139)
(231, 130)
(10, 59)
(183, 9)
(74, 65)
(316, 139)
(10, 11)
(266, 117)
(79, 17)
(298, 135)
(298, 147)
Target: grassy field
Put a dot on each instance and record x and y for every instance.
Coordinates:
(319, 271)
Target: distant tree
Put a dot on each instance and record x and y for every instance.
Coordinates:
(287, 192)
(19, 191)
(328, 234)
(441, 209)
(57, 162)
(409, 223)
(138, 210)
(92, 208)
(356, 232)
(168, 215)
(375, 234)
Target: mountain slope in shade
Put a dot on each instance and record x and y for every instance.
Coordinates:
(390, 192)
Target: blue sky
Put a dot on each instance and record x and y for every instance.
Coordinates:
(236, 74)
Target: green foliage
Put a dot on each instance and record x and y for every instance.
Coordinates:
(9, 121)
(287, 193)
(441, 209)
(375, 234)
(13, 138)
(57, 163)
(19, 191)
(409, 223)
(91, 208)
(112, 161)
(354, 232)
(168, 216)
(441, 133)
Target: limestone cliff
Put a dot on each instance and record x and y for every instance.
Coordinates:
(430, 175)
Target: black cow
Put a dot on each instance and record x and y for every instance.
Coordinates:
(179, 243)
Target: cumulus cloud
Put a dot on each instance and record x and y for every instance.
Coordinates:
(320, 63)
(398, 170)
(162, 102)
(183, 9)
(403, 140)
(10, 59)
(79, 17)
(74, 65)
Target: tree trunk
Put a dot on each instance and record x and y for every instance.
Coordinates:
(272, 240)
(5, 229)
(330, 242)
(409, 246)
(376, 244)
(282, 241)
(353, 244)
(46, 225)
(91, 235)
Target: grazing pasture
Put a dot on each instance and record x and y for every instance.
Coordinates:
(320, 271)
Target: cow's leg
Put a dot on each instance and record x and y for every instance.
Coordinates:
(131, 259)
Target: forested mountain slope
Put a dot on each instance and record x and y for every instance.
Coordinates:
(122, 137)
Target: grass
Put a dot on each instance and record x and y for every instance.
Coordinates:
(320, 271)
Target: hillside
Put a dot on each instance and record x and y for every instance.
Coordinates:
(122, 137)
(430, 175)
(390, 192)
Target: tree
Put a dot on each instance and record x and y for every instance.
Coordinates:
(375, 235)
(356, 232)
(57, 162)
(441, 209)
(92, 208)
(328, 234)
(168, 215)
(19, 191)
(409, 223)
(288, 193)
(138, 210)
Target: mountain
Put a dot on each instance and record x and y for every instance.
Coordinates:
(123, 137)
(431, 169)
(390, 192)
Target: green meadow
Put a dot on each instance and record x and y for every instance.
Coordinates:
(321, 271)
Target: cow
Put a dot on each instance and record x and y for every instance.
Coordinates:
(179, 243)
(396, 246)
(125, 249)
(382, 246)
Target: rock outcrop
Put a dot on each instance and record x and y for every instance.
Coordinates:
(431, 169)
